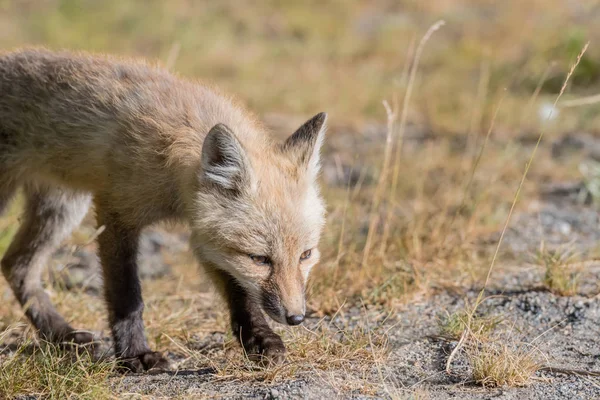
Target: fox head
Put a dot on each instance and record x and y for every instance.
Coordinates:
(259, 215)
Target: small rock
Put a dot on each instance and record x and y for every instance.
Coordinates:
(564, 228)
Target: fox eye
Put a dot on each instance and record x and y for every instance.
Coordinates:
(305, 255)
(261, 260)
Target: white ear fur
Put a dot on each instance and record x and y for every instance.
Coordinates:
(224, 161)
(305, 144)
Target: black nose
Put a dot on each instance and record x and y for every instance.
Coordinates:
(295, 319)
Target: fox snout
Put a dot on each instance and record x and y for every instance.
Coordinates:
(287, 310)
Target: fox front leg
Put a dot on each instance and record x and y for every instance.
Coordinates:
(118, 253)
(248, 323)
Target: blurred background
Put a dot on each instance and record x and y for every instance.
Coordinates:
(345, 57)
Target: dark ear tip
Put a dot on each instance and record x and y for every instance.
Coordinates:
(321, 117)
(221, 128)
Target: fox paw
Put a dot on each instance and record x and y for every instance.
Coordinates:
(152, 360)
(71, 339)
(267, 350)
(79, 338)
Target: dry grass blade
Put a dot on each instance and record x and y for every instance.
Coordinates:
(584, 101)
(403, 119)
(391, 120)
(377, 197)
(570, 371)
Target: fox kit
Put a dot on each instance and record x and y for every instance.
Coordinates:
(143, 145)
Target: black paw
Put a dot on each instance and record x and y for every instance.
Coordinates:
(79, 338)
(267, 349)
(74, 340)
(152, 360)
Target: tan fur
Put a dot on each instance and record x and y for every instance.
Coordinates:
(133, 136)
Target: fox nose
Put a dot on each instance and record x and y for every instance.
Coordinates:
(295, 319)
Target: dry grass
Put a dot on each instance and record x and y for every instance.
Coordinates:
(503, 364)
(562, 273)
(453, 325)
(495, 356)
(44, 371)
(319, 351)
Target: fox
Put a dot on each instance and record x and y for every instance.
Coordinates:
(143, 145)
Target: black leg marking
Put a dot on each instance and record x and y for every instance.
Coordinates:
(118, 252)
(248, 323)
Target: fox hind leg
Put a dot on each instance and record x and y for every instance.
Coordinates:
(50, 215)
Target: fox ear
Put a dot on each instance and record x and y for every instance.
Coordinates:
(224, 161)
(304, 145)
